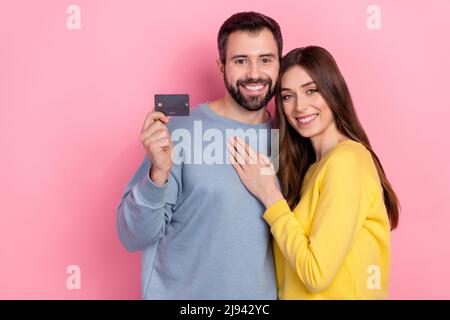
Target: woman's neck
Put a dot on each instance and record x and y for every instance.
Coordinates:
(326, 141)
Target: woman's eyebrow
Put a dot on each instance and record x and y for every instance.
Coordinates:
(302, 86)
(307, 84)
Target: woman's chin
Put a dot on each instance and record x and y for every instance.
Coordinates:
(305, 132)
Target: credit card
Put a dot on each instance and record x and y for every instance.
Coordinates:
(172, 104)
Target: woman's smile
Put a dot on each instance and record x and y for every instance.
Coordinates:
(306, 120)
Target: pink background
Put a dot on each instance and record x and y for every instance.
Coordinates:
(72, 104)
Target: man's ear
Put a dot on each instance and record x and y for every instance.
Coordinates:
(221, 66)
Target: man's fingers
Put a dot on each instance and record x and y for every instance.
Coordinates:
(152, 129)
(152, 117)
(159, 134)
(163, 142)
(159, 144)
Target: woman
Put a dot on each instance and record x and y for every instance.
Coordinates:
(335, 243)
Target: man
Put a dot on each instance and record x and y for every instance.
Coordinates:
(200, 231)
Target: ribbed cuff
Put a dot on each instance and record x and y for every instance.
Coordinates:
(275, 211)
(151, 193)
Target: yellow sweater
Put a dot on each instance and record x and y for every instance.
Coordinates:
(336, 242)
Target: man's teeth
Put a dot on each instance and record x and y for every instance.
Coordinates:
(308, 119)
(254, 88)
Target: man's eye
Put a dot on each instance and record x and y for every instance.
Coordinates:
(239, 61)
(266, 60)
(311, 91)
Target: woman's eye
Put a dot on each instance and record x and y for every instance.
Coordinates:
(286, 98)
(311, 91)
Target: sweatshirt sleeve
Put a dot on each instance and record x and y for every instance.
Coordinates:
(342, 206)
(145, 208)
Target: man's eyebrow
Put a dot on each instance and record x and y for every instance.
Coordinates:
(239, 56)
(270, 55)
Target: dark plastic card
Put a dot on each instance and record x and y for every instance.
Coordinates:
(172, 104)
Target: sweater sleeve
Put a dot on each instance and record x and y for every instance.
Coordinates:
(342, 206)
(145, 208)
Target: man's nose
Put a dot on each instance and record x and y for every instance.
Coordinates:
(253, 71)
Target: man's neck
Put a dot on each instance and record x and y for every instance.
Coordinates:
(228, 108)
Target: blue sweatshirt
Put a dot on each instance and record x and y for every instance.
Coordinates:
(201, 234)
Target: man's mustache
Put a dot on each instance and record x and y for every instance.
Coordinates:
(253, 81)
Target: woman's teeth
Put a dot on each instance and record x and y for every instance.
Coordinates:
(308, 119)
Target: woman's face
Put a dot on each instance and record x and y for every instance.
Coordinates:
(303, 105)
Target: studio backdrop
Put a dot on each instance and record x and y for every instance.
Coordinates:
(78, 77)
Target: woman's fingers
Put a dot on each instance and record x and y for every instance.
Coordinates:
(248, 150)
(237, 156)
(234, 161)
(231, 153)
(241, 154)
(248, 155)
(264, 160)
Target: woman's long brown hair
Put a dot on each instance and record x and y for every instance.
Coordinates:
(296, 152)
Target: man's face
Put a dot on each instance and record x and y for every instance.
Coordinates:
(251, 68)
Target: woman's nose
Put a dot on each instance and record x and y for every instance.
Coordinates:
(300, 105)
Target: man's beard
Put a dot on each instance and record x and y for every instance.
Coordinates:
(252, 103)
